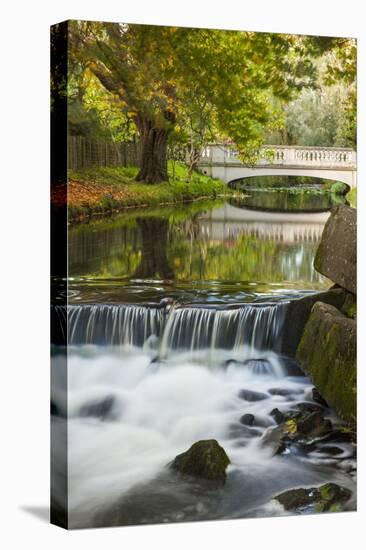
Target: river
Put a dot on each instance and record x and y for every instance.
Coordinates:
(172, 313)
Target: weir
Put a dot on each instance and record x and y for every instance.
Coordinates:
(182, 328)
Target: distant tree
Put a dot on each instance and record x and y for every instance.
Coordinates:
(326, 113)
(317, 118)
(193, 79)
(341, 59)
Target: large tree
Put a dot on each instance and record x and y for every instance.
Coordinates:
(164, 76)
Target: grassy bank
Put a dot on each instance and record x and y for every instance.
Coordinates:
(104, 190)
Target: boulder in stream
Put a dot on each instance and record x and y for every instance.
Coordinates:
(327, 353)
(297, 315)
(329, 497)
(250, 395)
(295, 427)
(247, 419)
(336, 254)
(206, 459)
(102, 409)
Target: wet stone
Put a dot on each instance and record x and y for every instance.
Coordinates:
(318, 398)
(274, 438)
(99, 409)
(330, 451)
(313, 425)
(251, 396)
(277, 415)
(204, 459)
(239, 430)
(327, 497)
(290, 367)
(259, 366)
(247, 419)
(283, 392)
(309, 407)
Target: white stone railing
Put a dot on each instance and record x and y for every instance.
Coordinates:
(283, 155)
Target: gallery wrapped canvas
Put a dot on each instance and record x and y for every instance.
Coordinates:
(203, 290)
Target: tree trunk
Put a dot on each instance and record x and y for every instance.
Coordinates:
(154, 159)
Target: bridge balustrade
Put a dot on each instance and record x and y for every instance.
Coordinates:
(284, 156)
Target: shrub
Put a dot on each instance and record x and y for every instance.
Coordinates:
(339, 188)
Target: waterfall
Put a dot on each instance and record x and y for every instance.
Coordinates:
(180, 328)
(105, 324)
(257, 326)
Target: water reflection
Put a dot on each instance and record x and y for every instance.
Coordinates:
(153, 252)
(230, 244)
(289, 200)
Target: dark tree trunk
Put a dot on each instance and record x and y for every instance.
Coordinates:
(154, 261)
(154, 159)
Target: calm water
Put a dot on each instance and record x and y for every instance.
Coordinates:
(146, 379)
(215, 252)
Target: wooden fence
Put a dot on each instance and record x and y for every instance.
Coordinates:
(87, 152)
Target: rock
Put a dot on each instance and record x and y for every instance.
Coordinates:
(349, 307)
(283, 392)
(274, 438)
(259, 366)
(278, 416)
(249, 395)
(99, 409)
(205, 459)
(166, 302)
(312, 425)
(297, 315)
(247, 419)
(336, 254)
(309, 407)
(238, 430)
(330, 450)
(327, 497)
(342, 435)
(327, 353)
(318, 398)
(295, 426)
(290, 367)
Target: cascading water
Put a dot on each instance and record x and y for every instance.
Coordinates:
(113, 324)
(145, 382)
(179, 328)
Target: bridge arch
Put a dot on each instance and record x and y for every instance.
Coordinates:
(327, 163)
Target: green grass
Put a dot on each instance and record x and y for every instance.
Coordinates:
(352, 197)
(103, 190)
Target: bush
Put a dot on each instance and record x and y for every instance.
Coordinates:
(339, 188)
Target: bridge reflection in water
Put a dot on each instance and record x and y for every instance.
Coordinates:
(229, 222)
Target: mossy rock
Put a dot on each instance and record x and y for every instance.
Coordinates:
(327, 352)
(349, 307)
(328, 497)
(298, 312)
(206, 459)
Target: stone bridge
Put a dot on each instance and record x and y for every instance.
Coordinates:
(223, 162)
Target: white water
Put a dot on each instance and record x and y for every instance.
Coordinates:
(177, 387)
(159, 411)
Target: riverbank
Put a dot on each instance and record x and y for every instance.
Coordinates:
(100, 191)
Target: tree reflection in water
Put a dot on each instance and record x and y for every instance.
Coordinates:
(154, 240)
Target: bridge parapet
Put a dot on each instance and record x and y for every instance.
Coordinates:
(286, 156)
